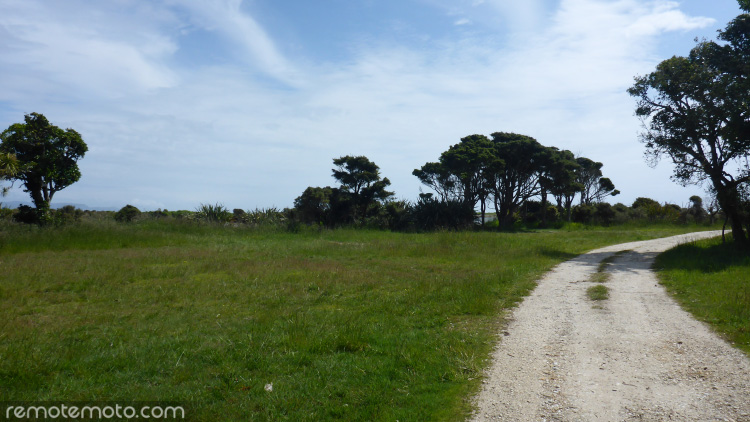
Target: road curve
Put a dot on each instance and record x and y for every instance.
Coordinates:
(634, 357)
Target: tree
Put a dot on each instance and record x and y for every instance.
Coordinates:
(564, 181)
(696, 209)
(360, 178)
(127, 213)
(513, 173)
(314, 205)
(460, 174)
(8, 169)
(438, 178)
(594, 187)
(557, 176)
(645, 203)
(695, 110)
(47, 157)
(468, 162)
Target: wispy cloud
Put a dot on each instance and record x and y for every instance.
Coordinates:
(86, 53)
(221, 132)
(256, 47)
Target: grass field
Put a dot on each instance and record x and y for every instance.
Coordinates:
(712, 281)
(345, 324)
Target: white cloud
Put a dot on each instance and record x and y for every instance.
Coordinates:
(228, 18)
(462, 21)
(665, 16)
(221, 134)
(81, 53)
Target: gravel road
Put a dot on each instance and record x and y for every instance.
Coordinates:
(634, 357)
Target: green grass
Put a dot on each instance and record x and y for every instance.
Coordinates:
(712, 281)
(599, 277)
(598, 292)
(347, 325)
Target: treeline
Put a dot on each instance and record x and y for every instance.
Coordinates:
(423, 215)
(512, 174)
(509, 170)
(502, 181)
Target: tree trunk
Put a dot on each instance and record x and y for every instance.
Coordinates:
(728, 201)
(738, 232)
(497, 209)
(482, 208)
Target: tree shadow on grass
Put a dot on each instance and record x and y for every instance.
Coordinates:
(704, 257)
(557, 254)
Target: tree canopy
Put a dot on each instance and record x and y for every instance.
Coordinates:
(47, 157)
(510, 169)
(361, 194)
(360, 178)
(594, 187)
(8, 169)
(695, 110)
(514, 172)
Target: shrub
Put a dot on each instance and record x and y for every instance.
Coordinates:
(430, 214)
(238, 215)
(181, 214)
(26, 215)
(6, 213)
(67, 214)
(217, 213)
(583, 213)
(127, 214)
(263, 217)
(159, 213)
(641, 202)
(399, 215)
(314, 205)
(604, 213)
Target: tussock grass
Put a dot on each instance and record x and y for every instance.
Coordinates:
(598, 292)
(712, 281)
(347, 325)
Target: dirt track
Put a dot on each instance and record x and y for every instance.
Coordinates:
(638, 358)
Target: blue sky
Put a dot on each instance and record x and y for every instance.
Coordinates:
(246, 103)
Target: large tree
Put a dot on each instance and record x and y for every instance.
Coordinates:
(461, 173)
(696, 111)
(360, 178)
(563, 180)
(514, 173)
(594, 187)
(437, 177)
(47, 157)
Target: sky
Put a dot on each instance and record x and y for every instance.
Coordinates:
(246, 103)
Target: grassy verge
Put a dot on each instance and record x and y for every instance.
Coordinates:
(346, 325)
(712, 281)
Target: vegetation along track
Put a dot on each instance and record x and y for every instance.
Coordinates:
(636, 356)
